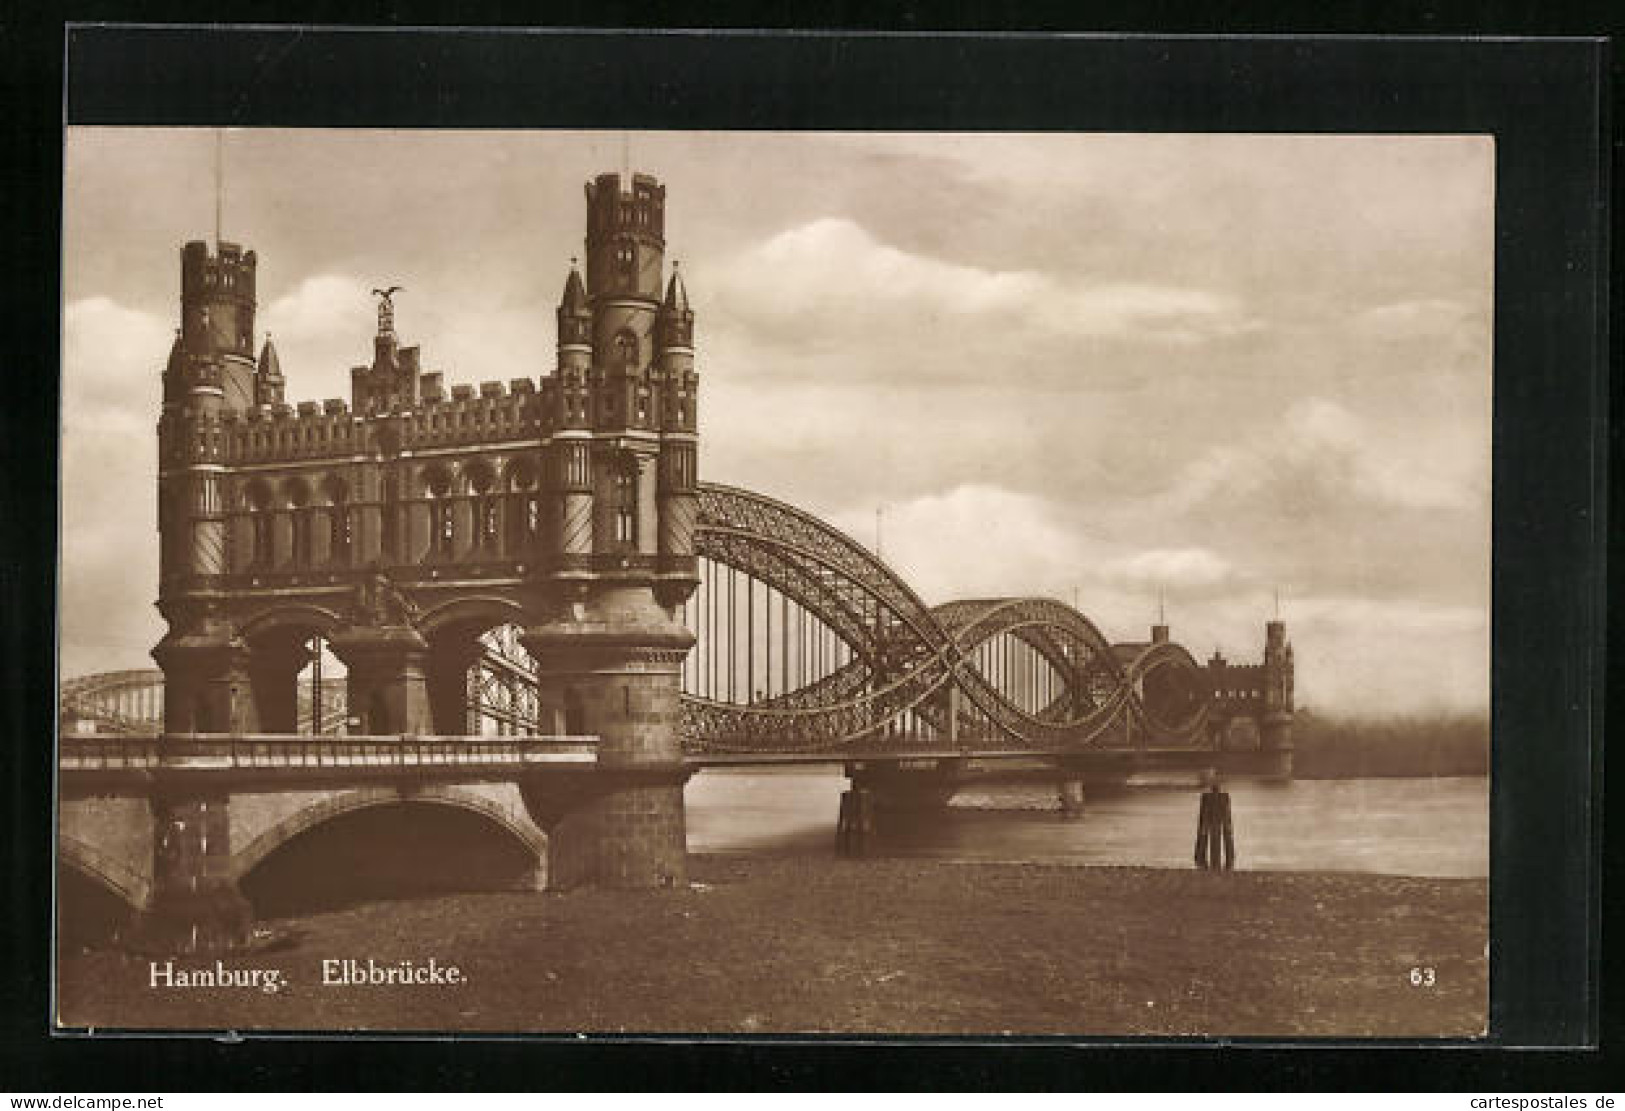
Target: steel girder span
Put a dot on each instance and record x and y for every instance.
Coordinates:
(808, 643)
(131, 703)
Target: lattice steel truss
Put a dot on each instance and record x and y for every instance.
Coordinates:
(503, 696)
(910, 659)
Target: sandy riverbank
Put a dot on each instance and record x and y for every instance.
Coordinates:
(762, 945)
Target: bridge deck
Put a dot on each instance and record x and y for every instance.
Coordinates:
(100, 752)
(1139, 756)
(111, 752)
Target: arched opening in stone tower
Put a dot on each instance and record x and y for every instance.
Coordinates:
(395, 850)
(322, 685)
(482, 682)
(299, 683)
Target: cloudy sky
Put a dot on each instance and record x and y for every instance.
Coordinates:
(1090, 366)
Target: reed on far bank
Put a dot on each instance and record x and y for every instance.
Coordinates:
(1336, 747)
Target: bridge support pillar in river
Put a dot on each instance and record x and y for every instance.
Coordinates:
(615, 665)
(196, 906)
(1275, 746)
(1071, 797)
(908, 785)
(855, 827)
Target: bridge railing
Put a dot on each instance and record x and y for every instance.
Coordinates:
(106, 751)
(112, 752)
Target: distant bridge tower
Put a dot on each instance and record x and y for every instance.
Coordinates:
(1261, 694)
(1275, 723)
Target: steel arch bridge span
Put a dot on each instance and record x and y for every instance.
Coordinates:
(883, 672)
(129, 701)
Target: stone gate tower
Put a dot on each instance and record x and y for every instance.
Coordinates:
(400, 525)
(610, 647)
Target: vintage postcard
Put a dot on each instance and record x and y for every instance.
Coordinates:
(775, 582)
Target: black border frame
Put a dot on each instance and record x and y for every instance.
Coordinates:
(1545, 101)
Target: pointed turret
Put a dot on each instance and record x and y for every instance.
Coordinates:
(676, 294)
(175, 371)
(270, 375)
(575, 314)
(575, 292)
(675, 325)
(574, 352)
(270, 365)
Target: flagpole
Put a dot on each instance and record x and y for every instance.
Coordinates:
(219, 181)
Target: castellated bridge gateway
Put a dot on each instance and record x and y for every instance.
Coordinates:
(517, 608)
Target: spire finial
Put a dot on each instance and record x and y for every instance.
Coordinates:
(1277, 602)
(626, 162)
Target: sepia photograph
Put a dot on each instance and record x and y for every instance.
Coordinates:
(966, 584)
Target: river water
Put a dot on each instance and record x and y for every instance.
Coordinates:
(1415, 827)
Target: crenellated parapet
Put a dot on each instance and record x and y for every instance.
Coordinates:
(308, 431)
(217, 296)
(588, 472)
(635, 206)
(1238, 687)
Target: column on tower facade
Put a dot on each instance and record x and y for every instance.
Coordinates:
(572, 472)
(386, 686)
(446, 678)
(273, 670)
(208, 686)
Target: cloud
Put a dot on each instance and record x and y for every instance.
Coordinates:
(984, 541)
(974, 541)
(1419, 317)
(321, 328)
(325, 325)
(1407, 617)
(832, 277)
(1176, 570)
(112, 384)
(320, 309)
(112, 366)
(1320, 456)
(1390, 656)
